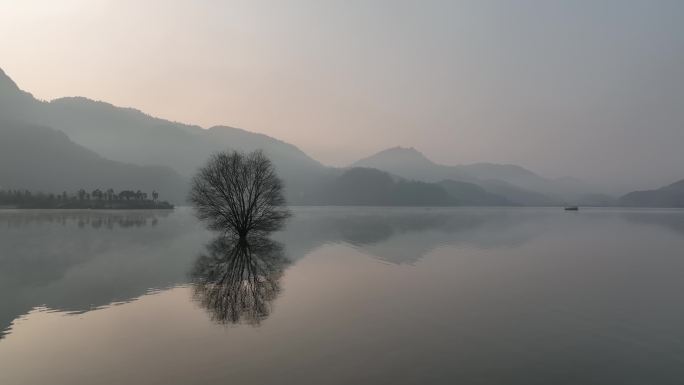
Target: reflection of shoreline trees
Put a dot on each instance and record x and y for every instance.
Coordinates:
(238, 278)
(94, 220)
(82, 199)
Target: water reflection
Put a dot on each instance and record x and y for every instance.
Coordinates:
(524, 296)
(83, 219)
(76, 261)
(669, 219)
(238, 279)
(405, 235)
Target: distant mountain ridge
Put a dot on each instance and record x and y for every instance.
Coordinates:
(471, 194)
(409, 159)
(131, 136)
(7, 84)
(85, 120)
(668, 196)
(372, 187)
(515, 183)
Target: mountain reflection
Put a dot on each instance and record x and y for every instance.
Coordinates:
(238, 279)
(670, 219)
(75, 261)
(405, 235)
(79, 260)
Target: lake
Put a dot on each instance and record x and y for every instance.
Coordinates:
(345, 296)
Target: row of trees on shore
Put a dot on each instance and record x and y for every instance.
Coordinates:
(110, 195)
(18, 196)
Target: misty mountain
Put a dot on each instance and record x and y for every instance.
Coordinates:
(411, 164)
(598, 200)
(129, 135)
(668, 196)
(43, 159)
(13, 101)
(133, 137)
(470, 194)
(518, 195)
(514, 183)
(371, 187)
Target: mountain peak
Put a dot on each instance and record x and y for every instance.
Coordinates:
(6, 83)
(397, 156)
(404, 150)
(675, 186)
(10, 91)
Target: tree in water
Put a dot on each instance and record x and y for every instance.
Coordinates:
(239, 194)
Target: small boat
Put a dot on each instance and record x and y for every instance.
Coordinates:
(572, 208)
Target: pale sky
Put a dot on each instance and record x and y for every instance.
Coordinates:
(593, 89)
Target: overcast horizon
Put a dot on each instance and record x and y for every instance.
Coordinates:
(585, 89)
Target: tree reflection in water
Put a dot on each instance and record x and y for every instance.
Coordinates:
(238, 278)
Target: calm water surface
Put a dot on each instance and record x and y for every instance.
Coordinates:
(345, 296)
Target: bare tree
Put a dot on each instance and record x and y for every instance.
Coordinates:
(239, 193)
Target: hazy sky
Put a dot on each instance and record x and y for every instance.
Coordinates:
(593, 88)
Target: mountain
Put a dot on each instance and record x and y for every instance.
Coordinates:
(14, 103)
(7, 86)
(518, 195)
(668, 196)
(598, 200)
(43, 159)
(514, 183)
(372, 187)
(411, 164)
(470, 194)
(129, 135)
(142, 139)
